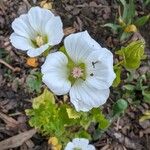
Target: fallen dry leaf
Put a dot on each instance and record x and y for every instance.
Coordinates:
(8, 120)
(17, 140)
(69, 30)
(46, 5)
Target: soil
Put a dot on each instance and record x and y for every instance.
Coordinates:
(125, 133)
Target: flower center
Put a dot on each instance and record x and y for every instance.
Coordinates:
(77, 72)
(39, 41)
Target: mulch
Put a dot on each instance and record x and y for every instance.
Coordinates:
(125, 133)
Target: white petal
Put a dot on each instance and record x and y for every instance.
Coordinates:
(38, 17)
(20, 42)
(85, 97)
(37, 51)
(22, 27)
(81, 142)
(90, 147)
(54, 30)
(102, 70)
(70, 146)
(56, 73)
(80, 45)
(54, 61)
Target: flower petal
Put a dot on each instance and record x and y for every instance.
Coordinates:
(54, 30)
(102, 71)
(20, 42)
(81, 142)
(22, 27)
(70, 146)
(38, 17)
(90, 147)
(56, 73)
(80, 45)
(84, 97)
(37, 51)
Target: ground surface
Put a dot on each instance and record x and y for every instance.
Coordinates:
(125, 133)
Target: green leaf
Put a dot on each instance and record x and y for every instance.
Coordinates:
(34, 81)
(146, 95)
(114, 27)
(123, 2)
(124, 36)
(145, 117)
(97, 134)
(129, 87)
(132, 54)
(72, 113)
(141, 21)
(119, 107)
(43, 98)
(146, 2)
(128, 11)
(100, 118)
(117, 80)
(61, 120)
(83, 134)
(2, 52)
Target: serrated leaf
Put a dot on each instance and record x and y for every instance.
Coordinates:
(100, 118)
(45, 96)
(142, 20)
(132, 54)
(119, 107)
(72, 114)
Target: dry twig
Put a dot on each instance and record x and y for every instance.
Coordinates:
(9, 66)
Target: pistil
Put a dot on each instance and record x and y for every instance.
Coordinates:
(77, 72)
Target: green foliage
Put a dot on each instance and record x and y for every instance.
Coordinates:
(113, 26)
(142, 20)
(127, 24)
(119, 107)
(128, 11)
(132, 54)
(132, 90)
(34, 81)
(145, 117)
(117, 80)
(2, 52)
(62, 121)
(146, 2)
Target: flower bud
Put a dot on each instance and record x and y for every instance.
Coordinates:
(130, 28)
(53, 141)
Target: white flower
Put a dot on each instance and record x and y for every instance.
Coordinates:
(79, 144)
(36, 31)
(87, 74)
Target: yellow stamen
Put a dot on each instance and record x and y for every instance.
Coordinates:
(39, 40)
